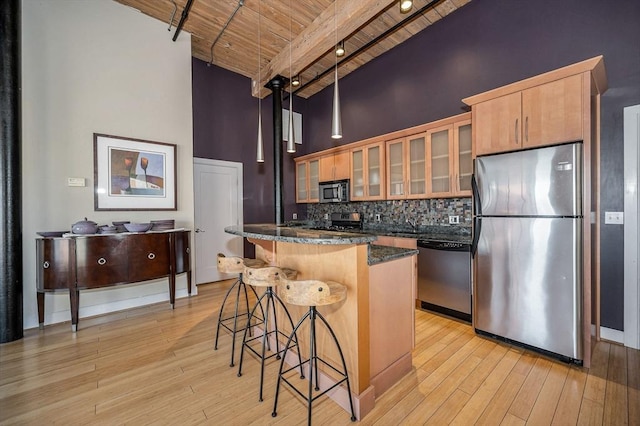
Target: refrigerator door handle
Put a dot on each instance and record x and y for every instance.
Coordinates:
(477, 205)
(477, 228)
(477, 212)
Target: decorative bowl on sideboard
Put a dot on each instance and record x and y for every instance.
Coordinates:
(51, 234)
(137, 227)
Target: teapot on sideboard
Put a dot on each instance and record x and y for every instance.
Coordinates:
(84, 227)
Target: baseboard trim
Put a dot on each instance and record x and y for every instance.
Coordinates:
(110, 307)
(612, 335)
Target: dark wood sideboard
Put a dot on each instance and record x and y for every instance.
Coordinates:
(96, 261)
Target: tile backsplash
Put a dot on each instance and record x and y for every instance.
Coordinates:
(395, 213)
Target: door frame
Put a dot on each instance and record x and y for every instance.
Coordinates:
(239, 170)
(631, 229)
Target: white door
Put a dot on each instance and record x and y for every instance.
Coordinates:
(631, 227)
(218, 204)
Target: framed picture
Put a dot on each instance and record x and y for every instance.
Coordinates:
(133, 174)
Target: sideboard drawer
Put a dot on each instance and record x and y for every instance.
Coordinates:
(101, 261)
(148, 257)
(53, 268)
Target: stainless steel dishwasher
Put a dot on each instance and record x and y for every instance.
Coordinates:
(444, 278)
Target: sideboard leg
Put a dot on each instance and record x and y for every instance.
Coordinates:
(74, 299)
(40, 296)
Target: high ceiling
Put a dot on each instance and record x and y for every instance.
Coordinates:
(238, 34)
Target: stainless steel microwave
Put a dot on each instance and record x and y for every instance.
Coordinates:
(334, 192)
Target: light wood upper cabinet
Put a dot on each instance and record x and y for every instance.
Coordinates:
(463, 161)
(450, 164)
(334, 166)
(546, 114)
(307, 178)
(553, 112)
(367, 172)
(496, 123)
(440, 155)
(406, 167)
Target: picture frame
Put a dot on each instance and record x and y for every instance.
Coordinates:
(133, 174)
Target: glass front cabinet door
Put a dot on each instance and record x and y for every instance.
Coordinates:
(367, 172)
(441, 160)
(406, 168)
(307, 178)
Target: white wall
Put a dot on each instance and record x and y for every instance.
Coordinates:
(96, 66)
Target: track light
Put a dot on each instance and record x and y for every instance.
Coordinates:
(340, 49)
(295, 81)
(405, 6)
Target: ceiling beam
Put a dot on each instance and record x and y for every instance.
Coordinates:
(319, 37)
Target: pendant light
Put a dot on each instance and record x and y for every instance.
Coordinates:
(260, 149)
(336, 121)
(340, 49)
(405, 6)
(291, 146)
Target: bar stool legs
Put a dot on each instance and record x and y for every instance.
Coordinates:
(312, 315)
(234, 265)
(269, 277)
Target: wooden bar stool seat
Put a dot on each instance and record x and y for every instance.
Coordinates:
(234, 265)
(313, 293)
(268, 277)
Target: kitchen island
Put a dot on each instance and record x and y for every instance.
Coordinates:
(375, 324)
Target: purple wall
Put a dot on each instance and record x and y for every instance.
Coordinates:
(484, 45)
(225, 126)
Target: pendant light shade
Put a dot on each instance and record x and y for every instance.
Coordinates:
(291, 146)
(336, 121)
(405, 6)
(260, 150)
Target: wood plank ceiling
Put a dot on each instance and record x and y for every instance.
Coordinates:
(294, 37)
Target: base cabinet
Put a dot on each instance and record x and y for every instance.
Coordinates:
(96, 261)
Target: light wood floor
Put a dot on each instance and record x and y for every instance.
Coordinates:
(153, 365)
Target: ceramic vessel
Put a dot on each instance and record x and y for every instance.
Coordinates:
(84, 227)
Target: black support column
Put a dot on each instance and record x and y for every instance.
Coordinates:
(277, 85)
(11, 324)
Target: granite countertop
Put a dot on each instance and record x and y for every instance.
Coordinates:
(420, 235)
(380, 254)
(272, 232)
(457, 234)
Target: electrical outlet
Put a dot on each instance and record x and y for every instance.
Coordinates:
(613, 218)
(454, 220)
(377, 217)
(326, 216)
(295, 216)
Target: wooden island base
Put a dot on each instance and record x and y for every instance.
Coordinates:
(374, 325)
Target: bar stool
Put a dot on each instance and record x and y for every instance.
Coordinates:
(268, 277)
(313, 293)
(234, 265)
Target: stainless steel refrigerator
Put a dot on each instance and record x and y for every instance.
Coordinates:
(527, 248)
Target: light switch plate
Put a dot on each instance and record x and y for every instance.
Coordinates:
(613, 218)
(76, 181)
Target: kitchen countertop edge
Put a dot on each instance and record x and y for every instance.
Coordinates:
(272, 232)
(380, 254)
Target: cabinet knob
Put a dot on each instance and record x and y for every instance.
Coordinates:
(188, 250)
(46, 264)
(151, 256)
(102, 261)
